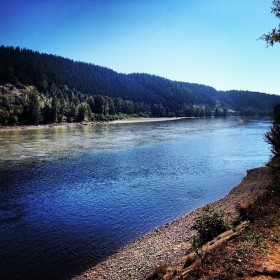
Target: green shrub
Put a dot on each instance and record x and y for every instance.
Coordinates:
(196, 244)
(272, 137)
(209, 224)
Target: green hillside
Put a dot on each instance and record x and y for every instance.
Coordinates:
(42, 88)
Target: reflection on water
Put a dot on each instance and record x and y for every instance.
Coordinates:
(71, 196)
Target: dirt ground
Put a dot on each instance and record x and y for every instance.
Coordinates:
(167, 247)
(252, 254)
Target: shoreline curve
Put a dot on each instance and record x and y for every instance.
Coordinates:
(78, 124)
(171, 242)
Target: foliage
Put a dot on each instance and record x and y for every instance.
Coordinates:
(26, 105)
(196, 243)
(272, 137)
(208, 225)
(42, 88)
(274, 36)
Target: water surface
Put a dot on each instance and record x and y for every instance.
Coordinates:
(71, 196)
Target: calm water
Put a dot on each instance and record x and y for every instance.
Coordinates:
(72, 196)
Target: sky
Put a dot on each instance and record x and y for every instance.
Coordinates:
(210, 42)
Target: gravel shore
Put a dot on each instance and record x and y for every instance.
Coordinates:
(169, 243)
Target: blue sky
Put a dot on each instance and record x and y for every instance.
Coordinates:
(211, 42)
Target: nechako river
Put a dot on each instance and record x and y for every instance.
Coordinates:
(71, 196)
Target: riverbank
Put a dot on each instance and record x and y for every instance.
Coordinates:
(64, 125)
(249, 250)
(171, 242)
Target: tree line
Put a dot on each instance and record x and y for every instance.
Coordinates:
(43, 88)
(25, 105)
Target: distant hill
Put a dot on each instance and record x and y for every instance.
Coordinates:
(43, 88)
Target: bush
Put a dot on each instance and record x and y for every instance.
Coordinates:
(209, 224)
(272, 137)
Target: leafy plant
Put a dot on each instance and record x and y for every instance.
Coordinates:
(272, 137)
(196, 243)
(208, 225)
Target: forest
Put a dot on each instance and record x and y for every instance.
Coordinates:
(37, 88)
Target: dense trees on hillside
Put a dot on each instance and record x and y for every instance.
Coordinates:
(26, 105)
(41, 88)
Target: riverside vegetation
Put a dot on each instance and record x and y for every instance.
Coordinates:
(38, 88)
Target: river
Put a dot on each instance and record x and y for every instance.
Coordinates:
(69, 197)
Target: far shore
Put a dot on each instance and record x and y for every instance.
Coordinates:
(77, 124)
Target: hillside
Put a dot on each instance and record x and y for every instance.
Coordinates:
(43, 88)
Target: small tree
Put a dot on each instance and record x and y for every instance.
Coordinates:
(209, 225)
(83, 112)
(272, 137)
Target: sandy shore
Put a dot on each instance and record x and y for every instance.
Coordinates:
(62, 125)
(169, 243)
(143, 120)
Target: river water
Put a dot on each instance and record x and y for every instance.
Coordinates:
(71, 196)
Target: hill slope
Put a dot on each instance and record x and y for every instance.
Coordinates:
(43, 88)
